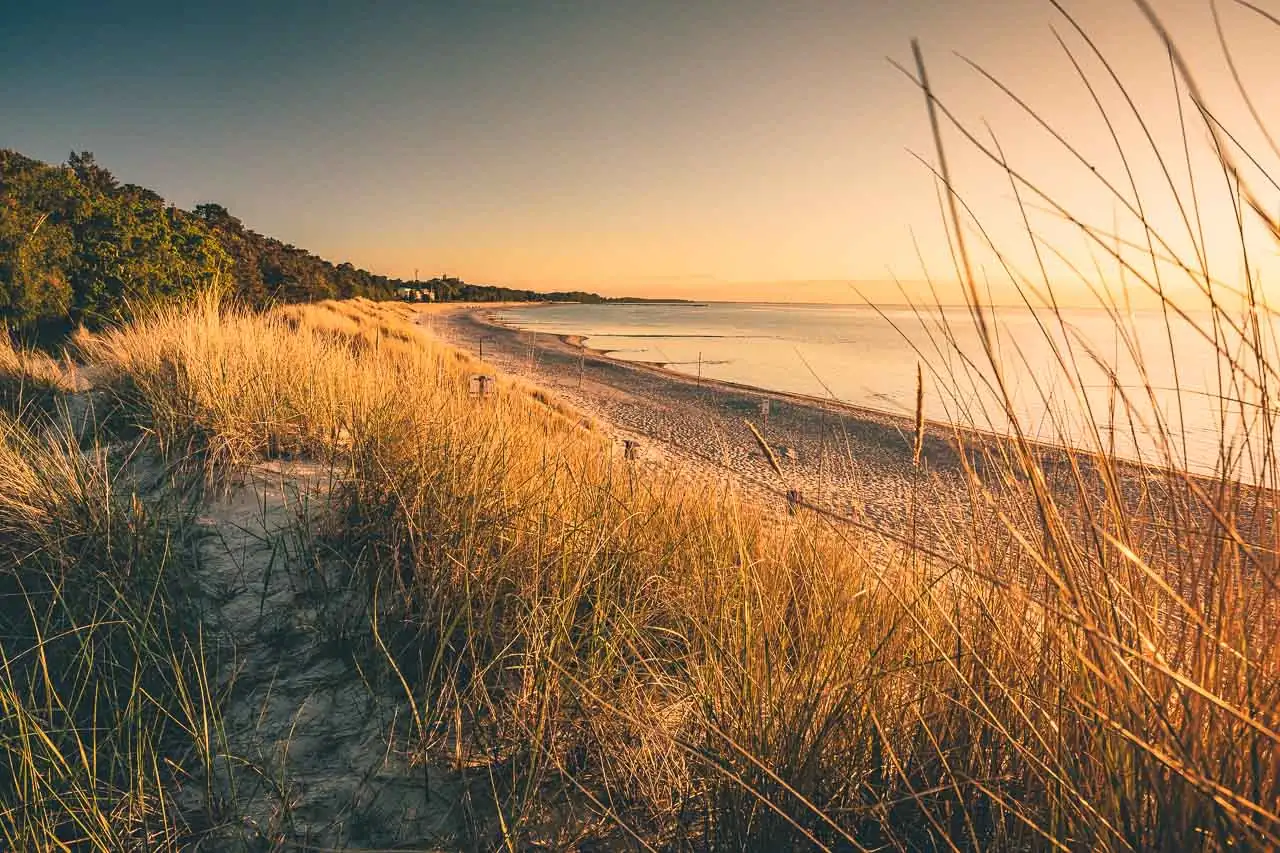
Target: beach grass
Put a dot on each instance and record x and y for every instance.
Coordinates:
(104, 704)
(703, 671)
(29, 378)
(616, 652)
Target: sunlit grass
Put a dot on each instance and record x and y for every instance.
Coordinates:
(1090, 664)
(704, 669)
(100, 665)
(29, 378)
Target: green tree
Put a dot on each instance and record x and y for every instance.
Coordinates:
(131, 250)
(90, 173)
(34, 256)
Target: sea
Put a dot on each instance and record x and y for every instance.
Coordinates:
(1145, 385)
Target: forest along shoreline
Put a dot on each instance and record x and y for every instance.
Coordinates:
(852, 465)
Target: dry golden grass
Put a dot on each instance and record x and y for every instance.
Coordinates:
(704, 673)
(101, 707)
(29, 377)
(1094, 667)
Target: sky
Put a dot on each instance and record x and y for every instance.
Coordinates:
(722, 149)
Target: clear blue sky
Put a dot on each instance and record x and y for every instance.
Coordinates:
(661, 147)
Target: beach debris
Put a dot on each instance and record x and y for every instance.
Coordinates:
(630, 448)
(788, 453)
(481, 385)
(794, 499)
(767, 450)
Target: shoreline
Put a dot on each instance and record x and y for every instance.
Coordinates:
(853, 466)
(976, 438)
(575, 343)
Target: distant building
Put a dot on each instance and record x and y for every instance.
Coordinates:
(417, 292)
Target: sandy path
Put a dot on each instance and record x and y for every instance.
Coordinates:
(313, 752)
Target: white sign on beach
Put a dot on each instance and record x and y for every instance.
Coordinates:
(481, 385)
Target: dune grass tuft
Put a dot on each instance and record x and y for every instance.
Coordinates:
(29, 379)
(100, 707)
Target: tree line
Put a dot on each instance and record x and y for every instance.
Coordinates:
(77, 246)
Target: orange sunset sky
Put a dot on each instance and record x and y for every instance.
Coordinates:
(711, 150)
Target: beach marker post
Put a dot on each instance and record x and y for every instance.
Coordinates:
(918, 445)
(479, 386)
(764, 411)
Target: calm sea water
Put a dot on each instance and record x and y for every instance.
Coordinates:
(1138, 379)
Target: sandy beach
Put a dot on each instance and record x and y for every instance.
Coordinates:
(852, 464)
